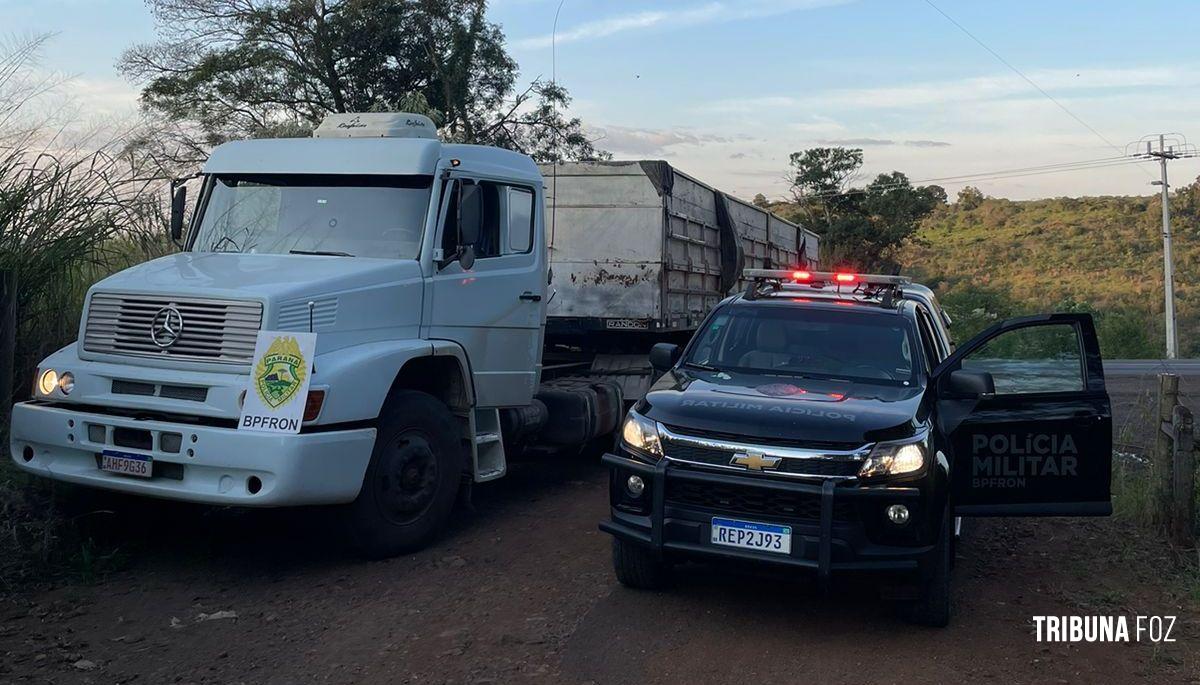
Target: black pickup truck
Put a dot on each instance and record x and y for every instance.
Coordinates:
(825, 421)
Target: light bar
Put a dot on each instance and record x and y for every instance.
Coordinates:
(818, 277)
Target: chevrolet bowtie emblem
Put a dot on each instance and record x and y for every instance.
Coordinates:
(755, 461)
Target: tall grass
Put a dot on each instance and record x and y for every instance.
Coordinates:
(70, 213)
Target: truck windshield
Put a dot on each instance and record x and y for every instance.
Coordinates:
(376, 216)
(806, 342)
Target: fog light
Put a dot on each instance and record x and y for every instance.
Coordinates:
(170, 442)
(898, 514)
(96, 433)
(635, 486)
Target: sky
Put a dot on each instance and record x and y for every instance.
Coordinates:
(726, 89)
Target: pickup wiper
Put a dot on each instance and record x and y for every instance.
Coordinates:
(321, 253)
(698, 365)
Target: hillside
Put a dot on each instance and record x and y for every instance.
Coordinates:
(1097, 254)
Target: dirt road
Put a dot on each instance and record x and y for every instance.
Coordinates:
(521, 591)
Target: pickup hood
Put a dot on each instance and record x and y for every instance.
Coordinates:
(242, 276)
(774, 409)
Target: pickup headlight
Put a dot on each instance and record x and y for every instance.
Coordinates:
(640, 435)
(895, 458)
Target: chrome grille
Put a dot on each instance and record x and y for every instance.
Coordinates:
(213, 330)
(796, 462)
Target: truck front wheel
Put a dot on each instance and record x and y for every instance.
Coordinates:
(412, 481)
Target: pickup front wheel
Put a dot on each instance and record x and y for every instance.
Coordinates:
(412, 480)
(638, 567)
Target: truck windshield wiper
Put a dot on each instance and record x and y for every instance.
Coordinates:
(698, 365)
(321, 253)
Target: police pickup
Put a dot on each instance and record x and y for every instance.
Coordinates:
(826, 422)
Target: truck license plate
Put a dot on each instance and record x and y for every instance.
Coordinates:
(763, 537)
(126, 463)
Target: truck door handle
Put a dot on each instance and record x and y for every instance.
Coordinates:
(530, 297)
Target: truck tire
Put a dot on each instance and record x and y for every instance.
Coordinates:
(637, 567)
(412, 481)
(933, 606)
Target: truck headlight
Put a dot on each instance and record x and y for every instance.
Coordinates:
(640, 435)
(894, 459)
(66, 382)
(47, 381)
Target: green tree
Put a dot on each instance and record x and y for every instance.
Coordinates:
(863, 228)
(224, 69)
(969, 198)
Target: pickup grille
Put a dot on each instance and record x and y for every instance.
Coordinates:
(747, 501)
(221, 331)
(794, 462)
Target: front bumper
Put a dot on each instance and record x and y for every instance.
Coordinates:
(213, 465)
(836, 538)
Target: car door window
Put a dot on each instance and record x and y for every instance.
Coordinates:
(932, 350)
(520, 220)
(1032, 359)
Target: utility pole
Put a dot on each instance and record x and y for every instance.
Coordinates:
(1170, 146)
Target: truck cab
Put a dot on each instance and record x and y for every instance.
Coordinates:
(420, 266)
(824, 422)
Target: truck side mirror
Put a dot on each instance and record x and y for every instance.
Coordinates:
(470, 214)
(178, 207)
(663, 356)
(964, 383)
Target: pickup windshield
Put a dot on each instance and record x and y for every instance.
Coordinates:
(376, 216)
(808, 343)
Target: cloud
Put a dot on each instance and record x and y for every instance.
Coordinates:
(858, 141)
(738, 155)
(648, 141)
(878, 142)
(925, 94)
(995, 87)
(725, 10)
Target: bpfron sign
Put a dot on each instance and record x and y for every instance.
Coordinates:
(278, 385)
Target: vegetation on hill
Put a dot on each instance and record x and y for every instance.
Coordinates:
(991, 258)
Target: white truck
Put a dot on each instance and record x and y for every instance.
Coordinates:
(426, 273)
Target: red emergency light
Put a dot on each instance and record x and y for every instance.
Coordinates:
(801, 276)
(844, 277)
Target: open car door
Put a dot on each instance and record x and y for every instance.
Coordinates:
(1027, 420)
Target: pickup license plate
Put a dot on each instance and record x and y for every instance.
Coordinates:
(126, 463)
(763, 537)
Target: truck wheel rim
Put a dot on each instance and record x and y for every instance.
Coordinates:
(408, 478)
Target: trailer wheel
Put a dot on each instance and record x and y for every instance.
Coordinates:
(932, 606)
(412, 481)
(637, 567)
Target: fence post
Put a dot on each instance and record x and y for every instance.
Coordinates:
(1183, 500)
(8, 340)
(1164, 447)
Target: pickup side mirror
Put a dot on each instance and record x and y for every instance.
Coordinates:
(964, 383)
(663, 356)
(178, 207)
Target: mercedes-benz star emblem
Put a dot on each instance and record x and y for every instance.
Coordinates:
(166, 327)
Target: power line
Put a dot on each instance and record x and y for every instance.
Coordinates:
(1028, 80)
(998, 174)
